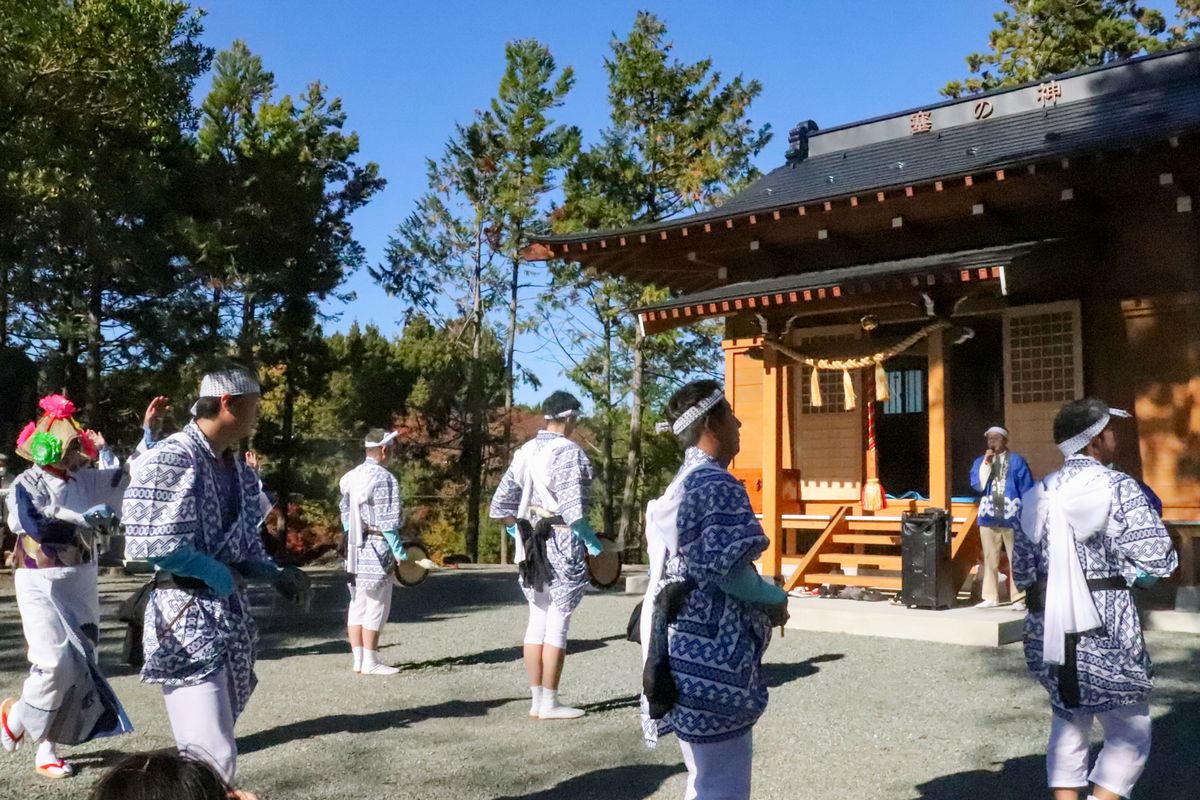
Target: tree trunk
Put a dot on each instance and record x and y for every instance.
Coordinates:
(288, 429)
(607, 434)
(95, 310)
(510, 348)
(246, 334)
(473, 446)
(4, 268)
(633, 461)
(216, 314)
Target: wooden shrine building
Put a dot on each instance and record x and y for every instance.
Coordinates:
(987, 259)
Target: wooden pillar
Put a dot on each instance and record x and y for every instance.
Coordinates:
(939, 420)
(772, 462)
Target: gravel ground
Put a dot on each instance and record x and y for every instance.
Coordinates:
(849, 716)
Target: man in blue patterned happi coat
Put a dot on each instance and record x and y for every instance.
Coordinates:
(1087, 536)
(548, 488)
(1001, 477)
(702, 537)
(193, 510)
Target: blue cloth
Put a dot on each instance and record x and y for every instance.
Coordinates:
(584, 533)
(748, 585)
(257, 569)
(191, 563)
(1017, 482)
(393, 540)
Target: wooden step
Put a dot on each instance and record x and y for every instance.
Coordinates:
(866, 538)
(838, 579)
(860, 560)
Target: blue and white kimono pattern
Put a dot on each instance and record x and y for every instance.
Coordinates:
(174, 500)
(569, 496)
(717, 642)
(1018, 480)
(381, 511)
(1113, 664)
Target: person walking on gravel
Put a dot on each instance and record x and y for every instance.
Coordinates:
(193, 510)
(543, 499)
(1087, 536)
(707, 615)
(372, 514)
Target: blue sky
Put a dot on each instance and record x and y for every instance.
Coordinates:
(408, 71)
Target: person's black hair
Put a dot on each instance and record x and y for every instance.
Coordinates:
(689, 395)
(559, 402)
(207, 408)
(1076, 417)
(162, 775)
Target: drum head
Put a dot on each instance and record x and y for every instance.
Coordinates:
(605, 569)
(409, 572)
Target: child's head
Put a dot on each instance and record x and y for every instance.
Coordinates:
(163, 775)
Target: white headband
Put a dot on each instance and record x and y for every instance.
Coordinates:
(996, 429)
(570, 412)
(689, 417)
(1077, 442)
(387, 439)
(229, 381)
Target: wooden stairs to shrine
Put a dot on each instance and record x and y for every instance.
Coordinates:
(864, 550)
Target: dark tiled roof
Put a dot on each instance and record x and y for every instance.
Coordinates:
(1134, 112)
(965, 259)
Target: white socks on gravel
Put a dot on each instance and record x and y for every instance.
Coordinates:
(535, 707)
(550, 708)
(358, 658)
(371, 665)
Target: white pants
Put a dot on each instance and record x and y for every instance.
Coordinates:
(1121, 760)
(44, 598)
(202, 721)
(547, 625)
(719, 771)
(992, 538)
(370, 607)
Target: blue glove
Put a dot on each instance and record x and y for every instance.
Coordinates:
(191, 563)
(257, 569)
(583, 531)
(511, 530)
(393, 540)
(1144, 580)
(99, 515)
(746, 584)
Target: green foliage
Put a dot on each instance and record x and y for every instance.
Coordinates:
(1038, 38)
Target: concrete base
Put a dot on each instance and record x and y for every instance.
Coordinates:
(991, 627)
(1187, 598)
(1172, 621)
(636, 584)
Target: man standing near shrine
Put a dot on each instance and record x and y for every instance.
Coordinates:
(1001, 477)
(55, 508)
(1087, 535)
(193, 509)
(543, 499)
(372, 514)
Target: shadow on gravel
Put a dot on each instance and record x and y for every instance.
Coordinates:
(366, 723)
(1172, 773)
(499, 655)
(331, 647)
(615, 783)
(614, 704)
(779, 674)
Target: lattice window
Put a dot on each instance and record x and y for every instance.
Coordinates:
(833, 394)
(906, 392)
(1042, 357)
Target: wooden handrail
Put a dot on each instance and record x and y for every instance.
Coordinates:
(837, 524)
(965, 548)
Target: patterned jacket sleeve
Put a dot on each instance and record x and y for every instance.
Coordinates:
(344, 505)
(159, 511)
(718, 532)
(507, 499)
(1020, 475)
(977, 481)
(572, 483)
(1140, 534)
(1027, 552)
(385, 499)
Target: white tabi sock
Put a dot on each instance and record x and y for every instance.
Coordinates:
(535, 708)
(358, 658)
(552, 710)
(371, 665)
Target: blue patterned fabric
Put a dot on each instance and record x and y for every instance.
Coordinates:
(382, 511)
(1018, 480)
(175, 498)
(570, 496)
(717, 642)
(1114, 665)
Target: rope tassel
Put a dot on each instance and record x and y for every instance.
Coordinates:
(848, 389)
(815, 388)
(882, 390)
